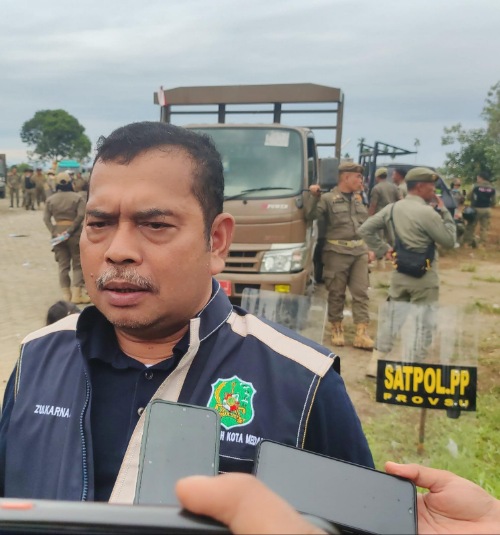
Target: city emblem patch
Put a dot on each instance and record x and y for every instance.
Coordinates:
(233, 400)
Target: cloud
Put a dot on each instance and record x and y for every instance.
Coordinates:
(406, 68)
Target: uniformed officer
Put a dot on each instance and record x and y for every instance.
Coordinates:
(64, 212)
(40, 180)
(459, 197)
(345, 255)
(383, 193)
(81, 186)
(51, 181)
(14, 182)
(398, 178)
(29, 189)
(417, 225)
(482, 198)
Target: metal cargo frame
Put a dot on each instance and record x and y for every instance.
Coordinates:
(273, 94)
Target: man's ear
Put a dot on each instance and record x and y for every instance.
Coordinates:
(221, 237)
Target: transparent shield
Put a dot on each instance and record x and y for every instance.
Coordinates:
(304, 314)
(427, 359)
(427, 333)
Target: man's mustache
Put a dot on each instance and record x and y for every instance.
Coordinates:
(125, 275)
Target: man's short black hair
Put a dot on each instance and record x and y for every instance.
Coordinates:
(126, 143)
(400, 171)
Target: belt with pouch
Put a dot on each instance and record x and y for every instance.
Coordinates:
(66, 222)
(347, 243)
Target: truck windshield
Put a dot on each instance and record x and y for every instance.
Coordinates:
(259, 162)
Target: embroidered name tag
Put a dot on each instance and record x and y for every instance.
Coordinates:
(51, 410)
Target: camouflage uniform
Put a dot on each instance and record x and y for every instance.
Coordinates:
(14, 182)
(64, 212)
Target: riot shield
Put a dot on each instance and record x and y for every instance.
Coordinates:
(427, 358)
(303, 314)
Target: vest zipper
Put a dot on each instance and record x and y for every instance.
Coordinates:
(84, 446)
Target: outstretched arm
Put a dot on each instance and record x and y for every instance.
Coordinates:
(453, 504)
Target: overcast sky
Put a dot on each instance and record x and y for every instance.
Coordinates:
(407, 68)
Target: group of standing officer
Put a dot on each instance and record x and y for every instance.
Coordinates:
(63, 215)
(355, 234)
(27, 189)
(22, 188)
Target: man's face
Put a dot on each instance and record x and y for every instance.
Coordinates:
(353, 181)
(427, 190)
(145, 258)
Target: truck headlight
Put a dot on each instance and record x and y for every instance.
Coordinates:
(284, 260)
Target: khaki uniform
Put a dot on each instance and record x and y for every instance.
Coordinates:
(29, 192)
(482, 198)
(40, 181)
(403, 190)
(14, 182)
(382, 194)
(417, 225)
(64, 212)
(345, 256)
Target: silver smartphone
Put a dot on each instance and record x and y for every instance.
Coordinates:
(179, 440)
(355, 498)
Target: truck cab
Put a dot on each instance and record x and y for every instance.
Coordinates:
(266, 172)
(268, 169)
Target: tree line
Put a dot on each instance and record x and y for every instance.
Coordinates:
(478, 150)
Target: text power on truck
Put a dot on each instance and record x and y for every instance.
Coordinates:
(267, 170)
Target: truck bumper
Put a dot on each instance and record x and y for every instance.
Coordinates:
(234, 283)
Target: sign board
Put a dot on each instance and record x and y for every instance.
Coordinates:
(428, 356)
(429, 386)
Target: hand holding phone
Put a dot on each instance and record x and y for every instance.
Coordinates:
(355, 498)
(179, 440)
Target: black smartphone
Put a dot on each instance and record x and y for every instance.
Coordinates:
(179, 440)
(355, 498)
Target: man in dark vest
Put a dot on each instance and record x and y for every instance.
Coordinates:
(154, 237)
(482, 198)
(29, 188)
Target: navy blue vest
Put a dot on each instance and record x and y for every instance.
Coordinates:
(261, 378)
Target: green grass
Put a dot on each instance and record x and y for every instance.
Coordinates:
(468, 268)
(486, 279)
(484, 308)
(393, 435)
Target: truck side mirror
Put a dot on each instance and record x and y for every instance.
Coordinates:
(328, 173)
